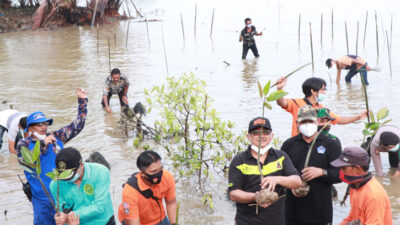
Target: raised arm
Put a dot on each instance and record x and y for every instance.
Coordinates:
(70, 131)
(281, 82)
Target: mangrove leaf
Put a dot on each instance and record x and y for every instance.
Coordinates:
(382, 113)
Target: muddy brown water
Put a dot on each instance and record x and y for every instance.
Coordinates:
(40, 70)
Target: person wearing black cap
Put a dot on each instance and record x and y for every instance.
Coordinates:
(50, 145)
(369, 201)
(315, 207)
(85, 191)
(386, 139)
(244, 177)
(355, 64)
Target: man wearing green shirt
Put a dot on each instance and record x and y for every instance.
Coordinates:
(85, 191)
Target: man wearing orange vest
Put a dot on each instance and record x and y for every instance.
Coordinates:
(369, 201)
(314, 90)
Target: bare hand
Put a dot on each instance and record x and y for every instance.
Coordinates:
(260, 33)
(363, 114)
(125, 99)
(270, 182)
(281, 82)
(73, 219)
(294, 193)
(81, 93)
(50, 140)
(108, 109)
(311, 172)
(265, 205)
(60, 220)
(396, 174)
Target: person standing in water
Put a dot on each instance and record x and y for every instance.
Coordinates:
(247, 36)
(355, 64)
(116, 84)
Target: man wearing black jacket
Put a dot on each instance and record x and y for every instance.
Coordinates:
(316, 207)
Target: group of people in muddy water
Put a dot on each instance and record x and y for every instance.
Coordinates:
(292, 185)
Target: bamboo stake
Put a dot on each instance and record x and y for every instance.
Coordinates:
(109, 55)
(147, 28)
(212, 23)
(312, 50)
(94, 12)
(97, 38)
(365, 28)
(127, 7)
(358, 27)
(195, 19)
(377, 39)
(115, 39)
(347, 38)
(366, 98)
(165, 52)
(137, 11)
(391, 32)
(183, 30)
(332, 24)
(383, 30)
(127, 35)
(389, 53)
(322, 26)
(298, 33)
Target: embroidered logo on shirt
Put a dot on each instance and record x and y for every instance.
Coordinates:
(88, 188)
(321, 149)
(126, 208)
(278, 165)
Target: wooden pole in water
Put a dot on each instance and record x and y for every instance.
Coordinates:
(147, 28)
(347, 38)
(332, 24)
(195, 19)
(389, 53)
(365, 28)
(109, 55)
(377, 39)
(322, 26)
(127, 35)
(212, 23)
(183, 30)
(165, 52)
(97, 38)
(115, 39)
(358, 28)
(391, 32)
(298, 33)
(312, 49)
(94, 12)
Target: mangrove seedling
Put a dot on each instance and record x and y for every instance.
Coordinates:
(55, 176)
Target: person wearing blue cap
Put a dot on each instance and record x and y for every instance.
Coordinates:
(50, 144)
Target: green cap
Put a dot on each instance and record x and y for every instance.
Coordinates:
(307, 112)
(324, 113)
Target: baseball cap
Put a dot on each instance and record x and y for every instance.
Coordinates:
(68, 158)
(323, 113)
(389, 138)
(36, 117)
(328, 62)
(259, 122)
(307, 112)
(352, 156)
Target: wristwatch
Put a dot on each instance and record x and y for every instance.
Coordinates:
(325, 173)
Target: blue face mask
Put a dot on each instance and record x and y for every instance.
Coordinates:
(395, 148)
(75, 177)
(248, 25)
(321, 97)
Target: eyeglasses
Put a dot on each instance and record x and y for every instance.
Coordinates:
(259, 132)
(41, 124)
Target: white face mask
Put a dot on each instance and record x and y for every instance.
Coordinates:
(248, 25)
(21, 132)
(308, 129)
(395, 148)
(39, 136)
(262, 150)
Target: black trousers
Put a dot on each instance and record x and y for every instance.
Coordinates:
(120, 95)
(394, 159)
(246, 50)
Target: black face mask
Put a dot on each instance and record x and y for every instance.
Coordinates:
(154, 178)
(327, 128)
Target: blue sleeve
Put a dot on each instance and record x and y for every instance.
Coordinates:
(70, 131)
